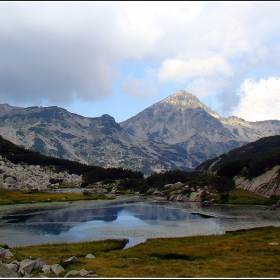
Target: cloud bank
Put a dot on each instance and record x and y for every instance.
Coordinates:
(259, 100)
(56, 52)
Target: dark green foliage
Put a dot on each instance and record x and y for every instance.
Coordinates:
(224, 197)
(232, 168)
(108, 181)
(172, 256)
(55, 181)
(135, 184)
(261, 148)
(193, 179)
(169, 177)
(254, 166)
(86, 193)
(258, 166)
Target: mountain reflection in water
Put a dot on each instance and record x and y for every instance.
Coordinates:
(135, 221)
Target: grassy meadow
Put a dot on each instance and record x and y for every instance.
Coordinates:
(10, 197)
(247, 253)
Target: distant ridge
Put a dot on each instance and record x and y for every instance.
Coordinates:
(178, 132)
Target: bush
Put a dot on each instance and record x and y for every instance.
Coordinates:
(86, 193)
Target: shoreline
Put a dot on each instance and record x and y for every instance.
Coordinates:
(44, 206)
(214, 211)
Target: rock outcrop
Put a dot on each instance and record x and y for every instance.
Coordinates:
(33, 177)
(267, 184)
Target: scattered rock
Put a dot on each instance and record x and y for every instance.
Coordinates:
(6, 272)
(39, 263)
(26, 266)
(90, 256)
(73, 259)
(14, 267)
(72, 273)
(46, 268)
(84, 272)
(2, 252)
(33, 177)
(56, 269)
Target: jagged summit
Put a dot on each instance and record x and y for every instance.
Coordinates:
(183, 100)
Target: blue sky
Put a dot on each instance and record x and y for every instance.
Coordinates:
(118, 58)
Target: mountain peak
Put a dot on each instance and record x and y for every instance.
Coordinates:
(183, 100)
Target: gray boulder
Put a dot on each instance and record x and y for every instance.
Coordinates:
(73, 259)
(90, 256)
(8, 254)
(2, 252)
(6, 272)
(56, 269)
(39, 263)
(72, 273)
(84, 272)
(46, 268)
(26, 266)
(12, 266)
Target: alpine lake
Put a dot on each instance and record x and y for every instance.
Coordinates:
(131, 217)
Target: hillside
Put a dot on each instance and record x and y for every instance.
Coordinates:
(263, 147)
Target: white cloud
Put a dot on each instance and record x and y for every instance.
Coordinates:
(55, 51)
(259, 100)
(180, 70)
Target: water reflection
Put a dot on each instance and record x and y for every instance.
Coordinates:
(135, 221)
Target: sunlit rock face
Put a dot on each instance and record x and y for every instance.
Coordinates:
(267, 184)
(178, 132)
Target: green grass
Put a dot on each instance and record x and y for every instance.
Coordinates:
(236, 254)
(243, 197)
(9, 197)
(240, 197)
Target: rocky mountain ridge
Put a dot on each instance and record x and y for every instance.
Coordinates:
(178, 132)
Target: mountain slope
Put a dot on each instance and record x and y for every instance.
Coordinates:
(186, 123)
(96, 141)
(178, 132)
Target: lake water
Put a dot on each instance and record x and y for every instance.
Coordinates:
(136, 221)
